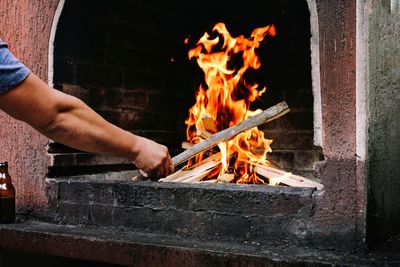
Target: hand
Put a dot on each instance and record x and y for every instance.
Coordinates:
(153, 159)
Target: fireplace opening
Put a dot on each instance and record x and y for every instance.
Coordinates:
(128, 61)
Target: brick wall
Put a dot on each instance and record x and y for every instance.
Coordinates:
(127, 60)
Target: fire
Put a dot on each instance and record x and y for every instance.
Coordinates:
(226, 99)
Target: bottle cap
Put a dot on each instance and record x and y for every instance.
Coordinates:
(4, 164)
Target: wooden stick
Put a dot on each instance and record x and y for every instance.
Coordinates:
(195, 174)
(204, 134)
(267, 115)
(174, 176)
(226, 178)
(197, 178)
(286, 178)
(187, 145)
(185, 172)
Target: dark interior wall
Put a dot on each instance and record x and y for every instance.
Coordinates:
(383, 165)
(127, 60)
(116, 56)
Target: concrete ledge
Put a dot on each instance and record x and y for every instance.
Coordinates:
(141, 249)
(132, 248)
(214, 212)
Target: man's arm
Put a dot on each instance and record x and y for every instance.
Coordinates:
(69, 121)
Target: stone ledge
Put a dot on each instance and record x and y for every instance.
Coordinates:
(120, 246)
(213, 212)
(131, 248)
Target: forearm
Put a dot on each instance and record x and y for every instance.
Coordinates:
(68, 120)
(78, 126)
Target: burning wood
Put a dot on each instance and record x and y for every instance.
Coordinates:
(224, 135)
(209, 124)
(197, 172)
(272, 174)
(223, 102)
(277, 176)
(222, 117)
(203, 134)
(212, 164)
(226, 178)
(187, 145)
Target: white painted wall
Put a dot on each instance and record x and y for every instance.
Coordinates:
(362, 70)
(50, 71)
(315, 72)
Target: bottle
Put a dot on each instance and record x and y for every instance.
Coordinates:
(7, 195)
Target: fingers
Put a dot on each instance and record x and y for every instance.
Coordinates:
(170, 165)
(145, 174)
(160, 173)
(154, 160)
(166, 167)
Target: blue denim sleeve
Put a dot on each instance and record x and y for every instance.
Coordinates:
(12, 71)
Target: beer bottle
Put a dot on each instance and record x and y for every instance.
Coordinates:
(7, 195)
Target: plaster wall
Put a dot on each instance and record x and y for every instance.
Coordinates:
(383, 109)
(337, 211)
(25, 25)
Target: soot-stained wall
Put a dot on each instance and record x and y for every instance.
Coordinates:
(383, 166)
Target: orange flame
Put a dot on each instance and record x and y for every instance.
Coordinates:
(227, 98)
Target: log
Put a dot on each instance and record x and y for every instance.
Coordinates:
(197, 177)
(185, 173)
(267, 115)
(196, 173)
(176, 175)
(204, 134)
(226, 178)
(286, 178)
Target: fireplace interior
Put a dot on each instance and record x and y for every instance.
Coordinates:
(128, 61)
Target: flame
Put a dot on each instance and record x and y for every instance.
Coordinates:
(227, 96)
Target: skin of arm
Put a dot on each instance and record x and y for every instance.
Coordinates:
(67, 120)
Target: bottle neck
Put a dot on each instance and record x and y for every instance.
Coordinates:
(4, 173)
